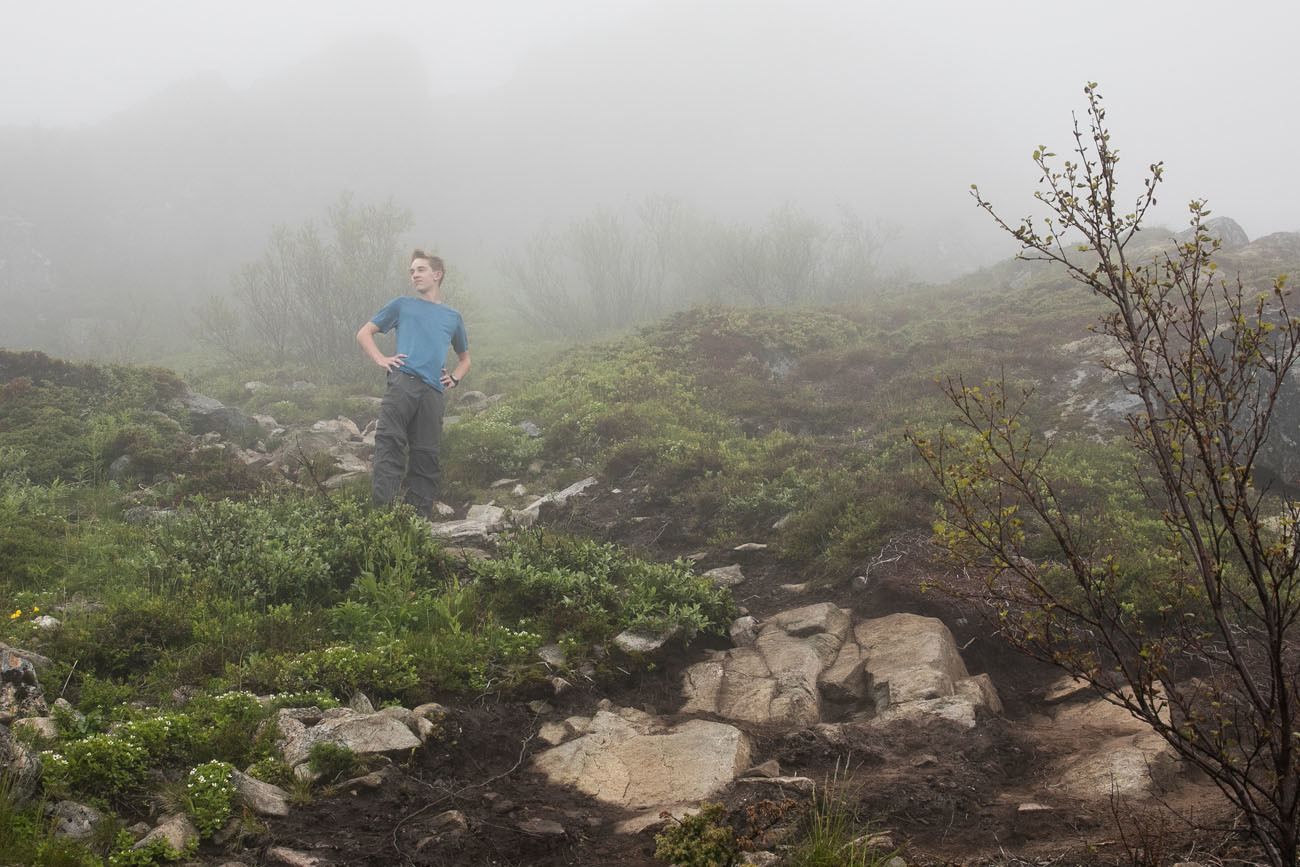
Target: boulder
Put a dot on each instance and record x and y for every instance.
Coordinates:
(642, 763)
(177, 831)
(364, 734)
(74, 821)
(726, 576)
(910, 658)
(263, 799)
(209, 415)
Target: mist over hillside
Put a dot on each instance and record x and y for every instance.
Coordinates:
(112, 232)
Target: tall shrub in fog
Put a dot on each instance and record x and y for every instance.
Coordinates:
(299, 304)
(1204, 649)
(609, 271)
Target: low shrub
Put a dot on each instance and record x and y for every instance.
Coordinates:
(702, 840)
(595, 590)
(333, 762)
(284, 548)
(102, 768)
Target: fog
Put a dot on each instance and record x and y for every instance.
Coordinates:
(148, 148)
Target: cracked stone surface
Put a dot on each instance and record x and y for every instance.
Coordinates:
(640, 762)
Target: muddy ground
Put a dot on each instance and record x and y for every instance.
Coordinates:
(944, 794)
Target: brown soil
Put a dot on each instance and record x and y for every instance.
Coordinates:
(946, 795)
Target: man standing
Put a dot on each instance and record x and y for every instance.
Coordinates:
(410, 417)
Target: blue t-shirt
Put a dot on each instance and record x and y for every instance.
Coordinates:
(424, 331)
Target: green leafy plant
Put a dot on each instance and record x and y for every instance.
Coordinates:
(210, 796)
(332, 761)
(700, 840)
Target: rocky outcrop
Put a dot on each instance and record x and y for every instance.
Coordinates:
(299, 729)
(896, 667)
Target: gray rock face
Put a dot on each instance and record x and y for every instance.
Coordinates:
(633, 760)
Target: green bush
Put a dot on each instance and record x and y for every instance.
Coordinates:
(332, 761)
(286, 548)
(479, 450)
(102, 768)
(594, 590)
(385, 670)
(702, 840)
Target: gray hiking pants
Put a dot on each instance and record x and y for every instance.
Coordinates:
(410, 420)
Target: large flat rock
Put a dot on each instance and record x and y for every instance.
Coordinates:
(639, 764)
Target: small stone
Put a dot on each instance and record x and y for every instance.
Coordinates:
(501, 483)
(630, 641)
(749, 547)
(503, 806)
(443, 510)
(541, 827)
(878, 840)
(291, 857)
(769, 768)
(530, 428)
(795, 588)
(560, 685)
(518, 491)
(46, 623)
(553, 655)
(451, 823)
(760, 859)
(540, 707)
(744, 631)
(361, 703)
(726, 576)
(43, 727)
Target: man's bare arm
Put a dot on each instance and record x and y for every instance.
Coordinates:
(366, 337)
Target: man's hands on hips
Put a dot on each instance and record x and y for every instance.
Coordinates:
(391, 362)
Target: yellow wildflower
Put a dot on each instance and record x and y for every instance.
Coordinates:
(18, 612)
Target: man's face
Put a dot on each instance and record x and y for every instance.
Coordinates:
(423, 277)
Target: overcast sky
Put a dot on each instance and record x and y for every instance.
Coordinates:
(892, 107)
